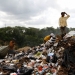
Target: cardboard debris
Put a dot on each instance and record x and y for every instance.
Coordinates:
(24, 48)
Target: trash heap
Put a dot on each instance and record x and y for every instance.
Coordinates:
(55, 57)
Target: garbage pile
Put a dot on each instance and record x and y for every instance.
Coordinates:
(55, 57)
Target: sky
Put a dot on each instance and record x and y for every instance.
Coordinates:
(35, 13)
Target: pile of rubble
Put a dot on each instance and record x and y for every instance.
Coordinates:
(51, 58)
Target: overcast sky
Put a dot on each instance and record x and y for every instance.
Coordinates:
(35, 13)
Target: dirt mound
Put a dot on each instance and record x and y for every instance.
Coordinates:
(24, 48)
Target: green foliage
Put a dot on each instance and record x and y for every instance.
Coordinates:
(27, 36)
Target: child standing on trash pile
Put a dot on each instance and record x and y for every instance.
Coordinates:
(63, 23)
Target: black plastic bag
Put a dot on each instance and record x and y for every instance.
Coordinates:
(9, 68)
(25, 71)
